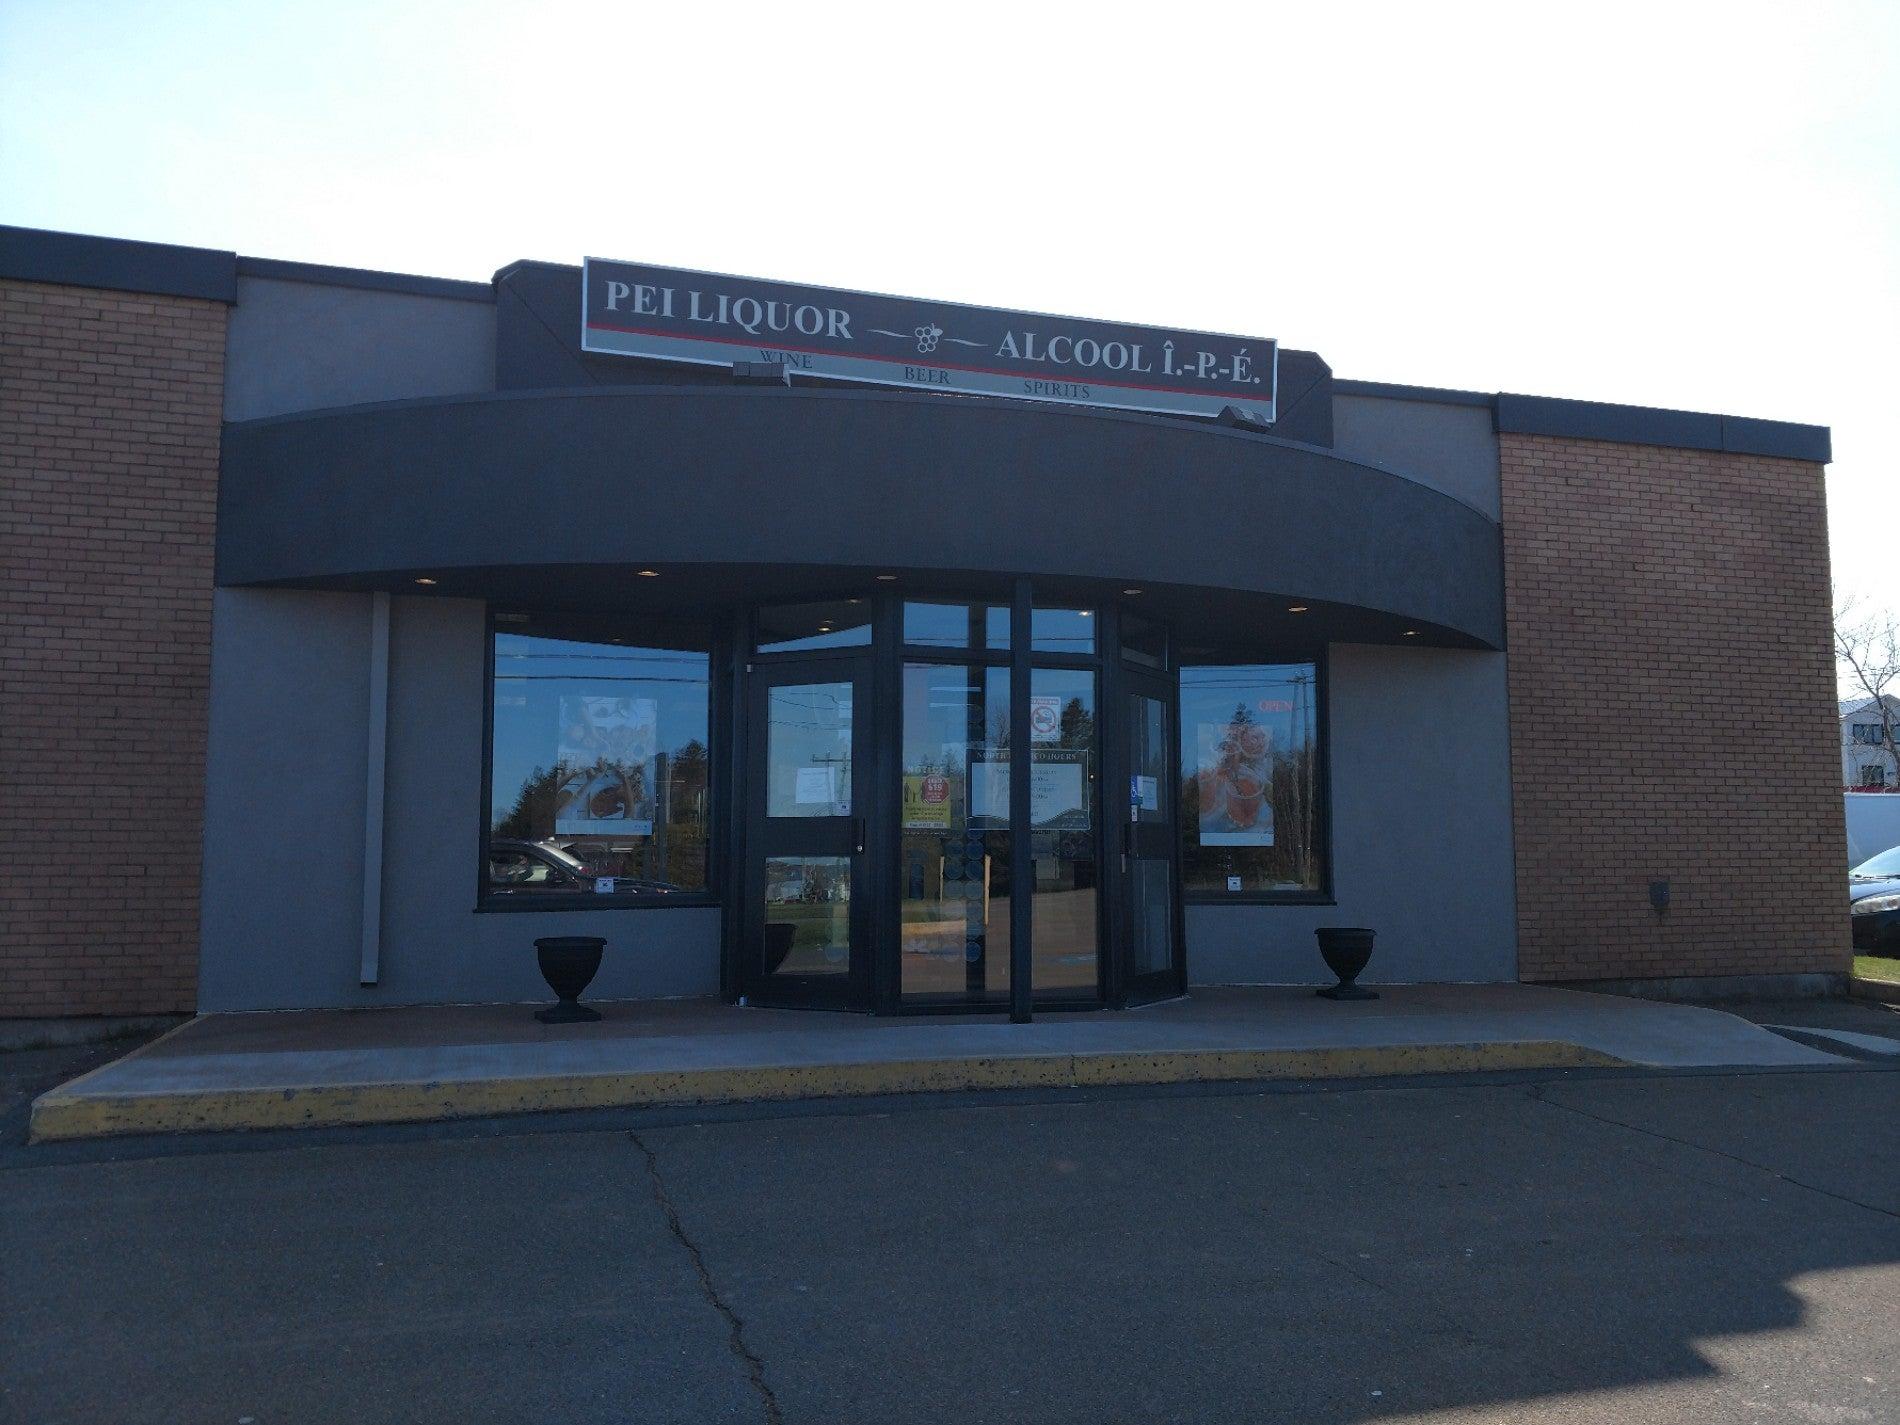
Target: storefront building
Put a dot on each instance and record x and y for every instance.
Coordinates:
(824, 649)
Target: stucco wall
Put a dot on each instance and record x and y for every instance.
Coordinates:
(1421, 795)
(1421, 817)
(284, 823)
(1450, 448)
(299, 346)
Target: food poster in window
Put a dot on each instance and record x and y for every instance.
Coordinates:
(607, 755)
(1234, 780)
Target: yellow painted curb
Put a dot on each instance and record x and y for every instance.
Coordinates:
(64, 1113)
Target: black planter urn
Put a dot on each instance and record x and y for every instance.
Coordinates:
(1345, 948)
(569, 964)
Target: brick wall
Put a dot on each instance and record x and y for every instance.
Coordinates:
(109, 429)
(1672, 712)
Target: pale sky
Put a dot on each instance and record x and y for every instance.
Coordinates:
(1689, 205)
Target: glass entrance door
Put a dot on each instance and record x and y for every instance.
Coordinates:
(1155, 966)
(953, 879)
(876, 848)
(806, 938)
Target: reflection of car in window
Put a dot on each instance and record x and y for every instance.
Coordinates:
(524, 866)
(1873, 893)
(538, 867)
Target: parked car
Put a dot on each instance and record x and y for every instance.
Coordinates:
(1873, 895)
(1873, 824)
(537, 867)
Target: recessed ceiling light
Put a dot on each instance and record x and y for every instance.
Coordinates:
(854, 601)
(649, 573)
(1131, 591)
(1296, 608)
(1411, 633)
(886, 578)
(425, 581)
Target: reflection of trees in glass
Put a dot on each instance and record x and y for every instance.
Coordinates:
(818, 884)
(1078, 725)
(675, 853)
(689, 777)
(532, 815)
(685, 818)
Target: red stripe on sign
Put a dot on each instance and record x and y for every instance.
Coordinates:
(917, 361)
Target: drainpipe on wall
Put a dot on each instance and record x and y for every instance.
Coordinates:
(376, 762)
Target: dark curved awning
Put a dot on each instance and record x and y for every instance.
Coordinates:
(825, 481)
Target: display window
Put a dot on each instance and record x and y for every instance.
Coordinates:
(598, 760)
(1252, 813)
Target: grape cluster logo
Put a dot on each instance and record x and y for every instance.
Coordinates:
(926, 336)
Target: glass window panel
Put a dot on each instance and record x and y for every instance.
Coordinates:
(807, 915)
(840, 623)
(1062, 630)
(599, 758)
(1144, 641)
(1250, 778)
(808, 769)
(953, 877)
(1148, 749)
(1153, 916)
(956, 625)
(1063, 753)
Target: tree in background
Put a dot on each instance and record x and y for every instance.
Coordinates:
(1867, 652)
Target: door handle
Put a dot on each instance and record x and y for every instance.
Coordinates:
(857, 834)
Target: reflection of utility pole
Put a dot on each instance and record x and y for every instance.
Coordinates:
(835, 759)
(973, 844)
(1302, 767)
(661, 816)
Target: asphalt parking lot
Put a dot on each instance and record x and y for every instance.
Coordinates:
(1616, 1246)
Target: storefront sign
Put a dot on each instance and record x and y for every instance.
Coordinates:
(668, 314)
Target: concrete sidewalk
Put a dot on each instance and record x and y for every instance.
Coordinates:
(310, 1068)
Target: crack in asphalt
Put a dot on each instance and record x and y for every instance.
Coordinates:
(1536, 1094)
(1450, 1327)
(735, 1328)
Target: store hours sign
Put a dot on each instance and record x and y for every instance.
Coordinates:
(669, 314)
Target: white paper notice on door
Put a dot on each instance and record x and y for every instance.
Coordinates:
(816, 786)
(1057, 793)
